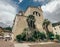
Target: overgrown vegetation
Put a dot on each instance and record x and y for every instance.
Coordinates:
(31, 36)
(51, 36)
(57, 37)
(35, 36)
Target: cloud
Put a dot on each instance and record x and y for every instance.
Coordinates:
(38, 0)
(20, 1)
(52, 10)
(7, 11)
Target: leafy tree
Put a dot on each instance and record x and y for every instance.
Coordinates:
(46, 22)
(8, 28)
(31, 21)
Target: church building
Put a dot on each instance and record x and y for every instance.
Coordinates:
(20, 21)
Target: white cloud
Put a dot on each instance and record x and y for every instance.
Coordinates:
(52, 10)
(38, 0)
(20, 1)
(7, 11)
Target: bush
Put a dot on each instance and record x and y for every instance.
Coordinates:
(18, 38)
(34, 36)
(39, 35)
(43, 36)
(21, 37)
(58, 37)
(51, 36)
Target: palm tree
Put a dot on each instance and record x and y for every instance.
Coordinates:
(46, 22)
(31, 21)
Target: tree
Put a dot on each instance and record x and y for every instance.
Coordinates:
(8, 28)
(46, 22)
(31, 21)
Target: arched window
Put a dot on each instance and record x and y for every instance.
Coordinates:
(36, 13)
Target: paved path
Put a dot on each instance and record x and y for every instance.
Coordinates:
(43, 44)
(46, 45)
(21, 45)
(30, 44)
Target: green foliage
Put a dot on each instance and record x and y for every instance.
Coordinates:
(46, 22)
(33, 36)
(43, 36)
(39, 35)
(57, 37)
(8, 28)
(51, 36)
(31, 21)
(18, 38)
(21, 37)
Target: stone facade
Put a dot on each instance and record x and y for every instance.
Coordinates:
(20, 20)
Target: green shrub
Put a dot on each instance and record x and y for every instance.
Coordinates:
(28, 35)
(58, 37)
(51, 36)
(34, 36)
(39, 35)
(8, 28)
(43, 36)
(19, 38)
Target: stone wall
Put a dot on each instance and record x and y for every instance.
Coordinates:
(20, 21)
(39, 19)
(20, 24)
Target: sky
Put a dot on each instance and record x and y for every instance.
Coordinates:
(9, 9)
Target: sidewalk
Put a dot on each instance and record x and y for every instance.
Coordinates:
(27, 44)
